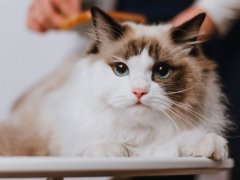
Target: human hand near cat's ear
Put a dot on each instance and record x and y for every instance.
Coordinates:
(45, 15)
(208, 27)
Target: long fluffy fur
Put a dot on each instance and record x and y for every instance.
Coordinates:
(85, 109)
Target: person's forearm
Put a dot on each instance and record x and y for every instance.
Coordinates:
(223, 13)
(208, 28)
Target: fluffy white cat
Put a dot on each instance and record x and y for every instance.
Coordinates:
(140, 90)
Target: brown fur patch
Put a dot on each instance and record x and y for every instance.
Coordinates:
(21, 141)
(135, 47)
(186, 86)
(177, 81)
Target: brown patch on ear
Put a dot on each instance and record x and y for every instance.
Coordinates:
(21, 141)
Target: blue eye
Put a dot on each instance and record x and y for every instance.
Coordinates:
(120, 69)
(161, 71)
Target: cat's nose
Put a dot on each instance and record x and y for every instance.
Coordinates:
(139, 92)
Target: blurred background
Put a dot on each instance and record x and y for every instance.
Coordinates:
(26, 57)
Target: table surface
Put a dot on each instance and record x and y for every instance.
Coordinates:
(90, 167)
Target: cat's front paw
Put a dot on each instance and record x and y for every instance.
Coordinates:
(211, 146)
(106, 149)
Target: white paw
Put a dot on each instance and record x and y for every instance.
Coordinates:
(106, 149)
(211, 146)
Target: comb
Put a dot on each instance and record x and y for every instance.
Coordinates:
(86, 17)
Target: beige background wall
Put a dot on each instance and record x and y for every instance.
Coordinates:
(26, 57)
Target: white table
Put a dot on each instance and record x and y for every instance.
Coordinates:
(59, 167)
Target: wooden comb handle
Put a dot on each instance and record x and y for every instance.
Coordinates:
(86, 17)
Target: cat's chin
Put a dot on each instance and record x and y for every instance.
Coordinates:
(139, 108)
(136, 108)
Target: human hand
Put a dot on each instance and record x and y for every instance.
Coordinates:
(208, 27)
(45, 15)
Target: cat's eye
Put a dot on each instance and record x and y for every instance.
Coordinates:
(120, 69)
(161, 71)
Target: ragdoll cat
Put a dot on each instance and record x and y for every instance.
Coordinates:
(140, 90)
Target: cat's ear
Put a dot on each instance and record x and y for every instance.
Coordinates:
(105, 28)
(188, 32)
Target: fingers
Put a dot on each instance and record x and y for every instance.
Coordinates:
(51, 18)
(49, 14)
(208, 27)
(67, 7)
(35, 26)
(35, 17)
(186, 15)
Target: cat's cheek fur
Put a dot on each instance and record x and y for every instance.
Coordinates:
(110, 89)
(156, 99)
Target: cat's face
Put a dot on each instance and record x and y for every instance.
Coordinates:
(156, 68)
(133, 83)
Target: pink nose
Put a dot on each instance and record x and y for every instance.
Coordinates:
(139, 92)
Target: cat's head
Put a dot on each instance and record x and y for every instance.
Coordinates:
(157, 68)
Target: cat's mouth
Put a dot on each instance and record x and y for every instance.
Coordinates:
(140, 104)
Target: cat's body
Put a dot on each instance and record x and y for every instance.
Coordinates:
(139, 91)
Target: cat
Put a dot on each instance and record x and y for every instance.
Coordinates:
(138, 91)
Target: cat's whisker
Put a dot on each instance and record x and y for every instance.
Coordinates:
(168, 114)
(160, 103)
(186, 108)
(180, 91)
(172, 121)
(179, 123)
(181, 119)
(176, 117)
(197, 115)
(172, 114)
(186, 119)
(183, 106)
(176, 112)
